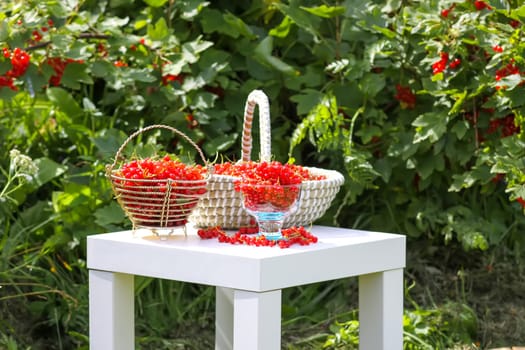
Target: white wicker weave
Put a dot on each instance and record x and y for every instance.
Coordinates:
(222, 205)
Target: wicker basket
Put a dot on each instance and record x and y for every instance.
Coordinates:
(222, 205)
(153, 203)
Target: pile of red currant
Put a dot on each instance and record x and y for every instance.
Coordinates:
(293, 235)
(267, 171)
(271, 183)
(160, 192)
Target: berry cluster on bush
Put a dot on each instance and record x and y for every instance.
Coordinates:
(19, 60)
(405, 96)
(488, 71)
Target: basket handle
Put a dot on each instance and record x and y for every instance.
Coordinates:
(257, 97)
(150, 127)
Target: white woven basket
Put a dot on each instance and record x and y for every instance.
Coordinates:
(222, 205)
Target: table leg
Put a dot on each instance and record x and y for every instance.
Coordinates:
(247, 320)
(111, 311)
(381, 310)
(223, 318)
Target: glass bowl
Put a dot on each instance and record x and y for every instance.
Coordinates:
(270, 205)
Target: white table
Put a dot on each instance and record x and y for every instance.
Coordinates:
(248, 283)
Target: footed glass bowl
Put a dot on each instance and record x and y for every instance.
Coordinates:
(270, 205)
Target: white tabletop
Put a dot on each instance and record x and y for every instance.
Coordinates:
(338, 253)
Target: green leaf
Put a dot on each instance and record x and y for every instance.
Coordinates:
(517, 98)
(427, 164)
(191, 8)
(32, 217)
(359, 169)
(4, 31)
(372, 84)
(468, 179)
(47, 170)
(159, 30)
(385, 31)
(300, 17)
(403, 147)
(7, 94)
(458, 104)
(197, 46)
(5, 66)
(55, 241)
(368, 132)
(74, 75)
(90, 107)
(113, 24)
(213, 21)
(217, 121)
(140, 23)
(430, 126)
(307, 100)
(191, 50)
(64, 101)
(203, 101)
(142, 75)
(474, 240)
(155, 3)
(282, 30)
(325, 11)
(61, 9)
(35, 80)
(263, 53)
(110, 214)
(511, 81)
(383, 167)
(519, 12)
(61, 42)
(239, 25)
(460, 128)
(193, 83)
(102, 69)
(210, 74)
(218, 144)
(108, 141)
(337, 66)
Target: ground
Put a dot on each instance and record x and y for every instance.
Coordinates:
(491, 283)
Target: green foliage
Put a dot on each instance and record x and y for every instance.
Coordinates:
(345, 335)
(447, 153)
(423, 329)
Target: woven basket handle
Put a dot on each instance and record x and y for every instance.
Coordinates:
(257, 97)
(118, 155)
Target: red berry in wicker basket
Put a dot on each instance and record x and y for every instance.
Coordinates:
(160, 192)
